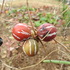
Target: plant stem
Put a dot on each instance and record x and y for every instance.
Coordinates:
(30, 17)
(57, 61)
(2, 5)
(10, 4)
(42, 44)
(62, 45)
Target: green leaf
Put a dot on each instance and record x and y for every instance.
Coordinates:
(49, 15)
(39, 14)
(37, 23)
(43, 19)
(43, 22)
(14, 10)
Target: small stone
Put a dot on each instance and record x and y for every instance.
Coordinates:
(4, 52)
(42, 69)
(3, 56)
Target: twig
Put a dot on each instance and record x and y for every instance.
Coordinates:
(10, 4)
(32, 23)
(8, 65)
(2, 5)
(30, 17)
(46, 34)
(38, 62)
(42, 44)
(58, 61)
(34, 64)
(62, 45)
(67, 25)
(3, 67)
(64, 11)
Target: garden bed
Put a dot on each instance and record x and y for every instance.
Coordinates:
(18, 59)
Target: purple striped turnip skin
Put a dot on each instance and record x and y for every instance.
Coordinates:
(46, 32)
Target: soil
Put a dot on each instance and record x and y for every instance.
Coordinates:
(20, 60)
(36, 3)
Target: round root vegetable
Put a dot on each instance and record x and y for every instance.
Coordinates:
(30, 47)
(46, 32)
(21, 32)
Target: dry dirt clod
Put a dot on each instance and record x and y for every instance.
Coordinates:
(43, 69)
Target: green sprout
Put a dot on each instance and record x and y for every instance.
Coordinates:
(57, 61)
